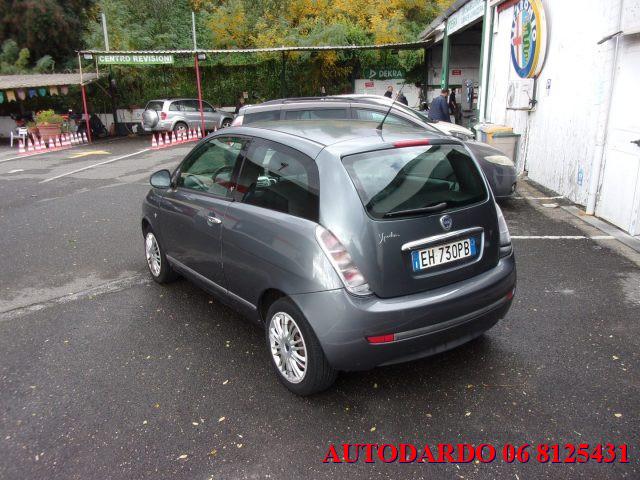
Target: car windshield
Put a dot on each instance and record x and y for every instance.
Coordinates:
(416, 180)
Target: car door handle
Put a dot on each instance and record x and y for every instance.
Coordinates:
(213, 220)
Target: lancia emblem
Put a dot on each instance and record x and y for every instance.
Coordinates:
(446, 222)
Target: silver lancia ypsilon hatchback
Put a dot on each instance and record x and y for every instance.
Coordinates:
(353, 246)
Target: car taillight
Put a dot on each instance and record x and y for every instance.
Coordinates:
(505, 236)
(163, 115)
(351, 277)
(237, 121)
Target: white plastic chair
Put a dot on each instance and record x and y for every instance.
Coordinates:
(21, 133)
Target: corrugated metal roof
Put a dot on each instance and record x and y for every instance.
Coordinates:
(44, 80)
(400, 46)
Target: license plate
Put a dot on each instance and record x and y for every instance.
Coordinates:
(450, 252)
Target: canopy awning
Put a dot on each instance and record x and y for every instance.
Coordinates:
(381, 46)
(35, 80)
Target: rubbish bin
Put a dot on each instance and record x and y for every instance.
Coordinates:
(500, 137)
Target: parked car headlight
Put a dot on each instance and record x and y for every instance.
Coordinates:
(500, 160)
(461, 136)
(350, 275)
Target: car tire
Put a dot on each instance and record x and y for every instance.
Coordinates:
(159, 267)
(287, 333)
(180, 126)
(226, 122)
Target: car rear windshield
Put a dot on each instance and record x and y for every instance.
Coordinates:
(411, 181)
(157, 106)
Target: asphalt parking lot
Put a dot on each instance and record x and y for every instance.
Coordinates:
(104, 374)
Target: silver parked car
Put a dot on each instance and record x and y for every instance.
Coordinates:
(351, 248)
(181, 114)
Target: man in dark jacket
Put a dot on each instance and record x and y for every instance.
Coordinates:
(389, 92)
(439, 109)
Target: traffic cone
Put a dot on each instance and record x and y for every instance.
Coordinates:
(160, 140)
(84, 138)
(72, 139)
(76, 139)
(21, 147)
(199, 132)
(154, 144)
(29, 149)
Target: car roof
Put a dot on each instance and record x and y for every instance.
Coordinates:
(343, 136)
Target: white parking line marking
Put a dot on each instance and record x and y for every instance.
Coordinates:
(538, 198)
(562, 237)
(95, 165)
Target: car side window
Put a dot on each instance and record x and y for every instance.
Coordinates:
(190, 106)
(316, 114)
(207, 108)
(175, 106)
(377, 116)
(210, 167)
(279, 178)
(261, 116)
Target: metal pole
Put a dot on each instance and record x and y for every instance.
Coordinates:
(446, 49)
(193, 30)
(112, 93)
(283, 88)
(104, 31)
(84, 101)
(199, 91)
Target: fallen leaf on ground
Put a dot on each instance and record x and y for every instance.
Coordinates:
(182, 457)
(222, 419)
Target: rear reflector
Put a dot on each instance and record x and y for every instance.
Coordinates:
(411, 143)
(511, 294)
(381, 338)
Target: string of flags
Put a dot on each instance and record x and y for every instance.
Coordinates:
(163, 140)
(23, 93)
(29, 146)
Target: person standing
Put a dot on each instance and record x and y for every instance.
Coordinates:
(439, 109)
(389, 92)
(453, 105)
(402, 99)
(239, 103)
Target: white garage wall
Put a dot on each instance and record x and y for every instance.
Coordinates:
(559, 136)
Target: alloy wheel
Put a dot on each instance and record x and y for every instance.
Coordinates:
(152, 251)
(288, 349)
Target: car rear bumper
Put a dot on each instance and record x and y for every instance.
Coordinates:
(423, 324)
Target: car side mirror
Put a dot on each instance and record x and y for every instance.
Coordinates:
(161, 179)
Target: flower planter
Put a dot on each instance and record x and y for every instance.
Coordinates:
(48, 130)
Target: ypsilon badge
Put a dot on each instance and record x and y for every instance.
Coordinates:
(446, 222)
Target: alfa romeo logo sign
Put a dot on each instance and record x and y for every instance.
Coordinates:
(528, 38)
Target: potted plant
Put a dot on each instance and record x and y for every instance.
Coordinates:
(49, 124)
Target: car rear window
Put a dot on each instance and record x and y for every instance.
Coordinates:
(157, 106)
(409, 181)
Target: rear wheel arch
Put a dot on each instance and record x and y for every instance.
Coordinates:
(267, 299)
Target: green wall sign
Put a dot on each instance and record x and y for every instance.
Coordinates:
(109, 59)
(384, 73)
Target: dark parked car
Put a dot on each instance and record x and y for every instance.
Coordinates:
(498, 168)
(351, 248)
